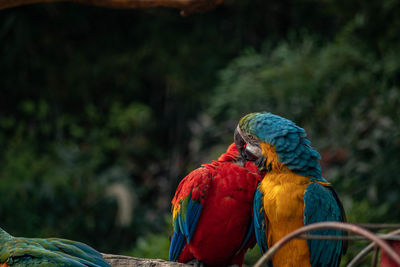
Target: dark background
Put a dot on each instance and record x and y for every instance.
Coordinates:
(103, 111)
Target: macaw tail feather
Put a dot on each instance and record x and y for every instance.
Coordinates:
(178, 239)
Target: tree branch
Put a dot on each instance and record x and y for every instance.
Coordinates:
(186, 6)
(125, 261)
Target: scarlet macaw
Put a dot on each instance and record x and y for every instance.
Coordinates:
(292, 194)
(20, 251)
(212, 212)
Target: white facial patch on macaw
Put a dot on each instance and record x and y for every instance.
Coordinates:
(255, 150)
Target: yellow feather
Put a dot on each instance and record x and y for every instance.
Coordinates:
(283, 192)
(175, 210)
(272, 158)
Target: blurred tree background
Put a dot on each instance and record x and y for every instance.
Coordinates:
(103, 111)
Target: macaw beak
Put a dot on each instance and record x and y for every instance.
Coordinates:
(248, 152)
(243, 147)
(239, 142)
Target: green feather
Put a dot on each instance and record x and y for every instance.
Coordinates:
(19, 251)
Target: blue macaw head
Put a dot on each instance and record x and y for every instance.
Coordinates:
(288, 140)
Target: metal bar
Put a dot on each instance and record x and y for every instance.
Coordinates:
(379, 225)
(329, 225)
(352, 238)
(374, 260)
(360, 256)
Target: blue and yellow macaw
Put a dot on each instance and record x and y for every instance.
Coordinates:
(292, 194)
(20, 251)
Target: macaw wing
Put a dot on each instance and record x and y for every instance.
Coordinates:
(260, 228)
(50, 252)
(81, 251)
(320, 205)
(186, 208)
(343, 216)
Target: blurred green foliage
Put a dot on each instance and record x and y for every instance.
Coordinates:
(344, 97)
(93, 97)
(153, 245)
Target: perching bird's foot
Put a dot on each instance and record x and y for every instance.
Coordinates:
(196, 263)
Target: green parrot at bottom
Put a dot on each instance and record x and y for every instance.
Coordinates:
(20, 251)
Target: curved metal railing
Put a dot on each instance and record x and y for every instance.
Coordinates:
(364, 234)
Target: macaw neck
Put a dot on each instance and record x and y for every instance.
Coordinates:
(285, 176)
(272, 159)
(288, 177)
(275, 166)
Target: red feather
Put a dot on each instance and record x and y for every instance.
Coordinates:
(386, 261)
(226, 192)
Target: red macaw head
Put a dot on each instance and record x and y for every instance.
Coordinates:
(232, 154)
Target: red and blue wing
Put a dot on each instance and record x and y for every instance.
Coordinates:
(187, 205)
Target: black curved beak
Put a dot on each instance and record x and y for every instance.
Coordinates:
(239, 143)
(246, 155)
(241, 147)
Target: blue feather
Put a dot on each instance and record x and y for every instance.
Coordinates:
(184, 225)
(177, 244)
(279, 141)
(320, 205)
(195, 215)
(291, 144)
(259, 221)
(293, 141)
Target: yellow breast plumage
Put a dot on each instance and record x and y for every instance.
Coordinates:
(284, 208)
